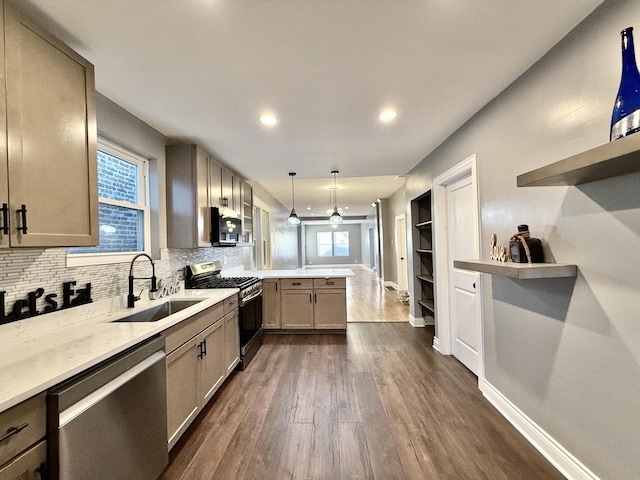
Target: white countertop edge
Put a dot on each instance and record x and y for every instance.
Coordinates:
(301, 273)
(31, 365)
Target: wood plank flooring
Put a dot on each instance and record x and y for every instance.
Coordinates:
(377, 403)
(370, 301)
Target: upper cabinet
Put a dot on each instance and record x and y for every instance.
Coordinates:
(48, 128)
(195, 183)
(188, 196)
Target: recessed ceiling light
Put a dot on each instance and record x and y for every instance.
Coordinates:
(268, 120)
(387, 115)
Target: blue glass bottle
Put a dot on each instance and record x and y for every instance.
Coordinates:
(625, 119)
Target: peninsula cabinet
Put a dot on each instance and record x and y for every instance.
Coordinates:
(304, 304)
(23, 449)
(49, 107)
(201, 353)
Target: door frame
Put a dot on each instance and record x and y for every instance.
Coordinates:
(401, 217)
(443, 340)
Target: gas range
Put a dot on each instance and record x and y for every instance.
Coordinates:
(207, 275)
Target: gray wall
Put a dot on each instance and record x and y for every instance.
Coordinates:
(566, 351)
(285, 250)
(391, 207)
(355, 244)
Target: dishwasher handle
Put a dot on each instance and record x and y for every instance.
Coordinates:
(90, 400)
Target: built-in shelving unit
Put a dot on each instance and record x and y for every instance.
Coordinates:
(619, 157)
(520, 271)
(423, 259)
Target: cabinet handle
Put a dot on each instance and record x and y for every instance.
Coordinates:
(23, 214)
(204, 347)
(310, 300)
(5, 219)
(315, 297)
(200, 350)
(296, 283)
(329, 283)
(13, 431)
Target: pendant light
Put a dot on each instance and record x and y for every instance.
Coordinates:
(293, 218)
(335, 217)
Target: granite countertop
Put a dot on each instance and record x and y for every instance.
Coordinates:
(40, 352)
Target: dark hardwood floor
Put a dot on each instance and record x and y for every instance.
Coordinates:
(378, 403)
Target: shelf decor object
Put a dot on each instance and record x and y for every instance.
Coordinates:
(609, 160)
(625, 118)
(521, 271)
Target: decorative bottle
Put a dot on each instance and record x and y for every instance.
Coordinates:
(523, 248)
(625, 118)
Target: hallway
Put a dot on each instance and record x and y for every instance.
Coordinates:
(369, 301)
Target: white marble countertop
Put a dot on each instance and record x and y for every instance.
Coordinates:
(40, 352)
(302, 273)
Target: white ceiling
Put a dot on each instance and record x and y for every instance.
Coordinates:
(204, 70)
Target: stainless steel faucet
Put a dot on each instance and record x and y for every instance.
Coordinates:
(131, 298)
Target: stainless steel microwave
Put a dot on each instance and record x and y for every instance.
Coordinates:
(225, 230)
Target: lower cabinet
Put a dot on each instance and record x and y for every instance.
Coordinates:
(23, 450)
(305, 304)
(271, 314)
(201, 353)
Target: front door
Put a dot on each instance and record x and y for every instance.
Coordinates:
(462, 244)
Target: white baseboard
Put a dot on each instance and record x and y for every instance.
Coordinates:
(436, 344)
(416, 321)
(559, 456)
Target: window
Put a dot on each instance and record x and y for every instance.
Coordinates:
(333, 244)
(122, 208)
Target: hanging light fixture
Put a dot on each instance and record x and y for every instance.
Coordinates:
(335, 217)
(293, 217)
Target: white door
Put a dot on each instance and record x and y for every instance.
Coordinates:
(462, 244)
(401, 251)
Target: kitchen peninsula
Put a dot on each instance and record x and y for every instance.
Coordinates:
(305, 300)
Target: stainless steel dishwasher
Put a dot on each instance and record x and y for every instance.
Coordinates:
(111, 422)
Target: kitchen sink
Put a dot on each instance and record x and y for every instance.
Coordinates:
(159, 312)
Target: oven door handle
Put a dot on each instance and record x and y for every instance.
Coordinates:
(250, 297)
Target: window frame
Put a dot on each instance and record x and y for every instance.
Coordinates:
(333, 243)
(142, 163)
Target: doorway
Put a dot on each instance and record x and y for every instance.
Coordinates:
(401, 252)
(457, 236)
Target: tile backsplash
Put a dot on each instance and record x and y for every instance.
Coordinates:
(22, 272)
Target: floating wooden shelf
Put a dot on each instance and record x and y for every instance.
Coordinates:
(521, 271)
(428, 304)
(619, 157)
(425, 278)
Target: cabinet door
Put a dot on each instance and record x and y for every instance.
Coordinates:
(231, 341)
(51, 110)
(227, 188)
(211, 369)
(330, 309)
(297, 308)
(4, 186)
(182, 393)
(215, 183)
(202, 198)
(271, 303)
(30, 465)
(236, 194)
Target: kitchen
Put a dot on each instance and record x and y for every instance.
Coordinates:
(565, 354)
